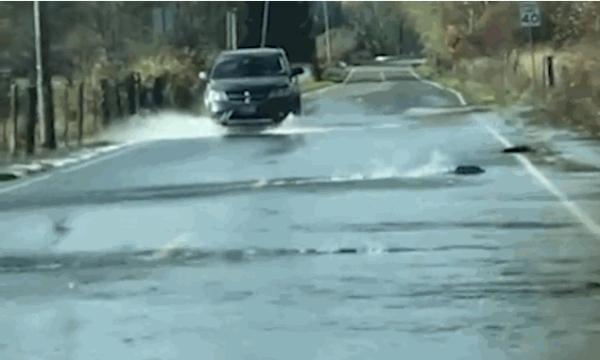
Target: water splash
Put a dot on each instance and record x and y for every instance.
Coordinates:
(385, 173)
(163, 126)
(438, 163)
(292, 126)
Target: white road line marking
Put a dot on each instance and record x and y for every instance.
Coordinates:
(350, 73)
(24, 183)
(328, 88)
(101, 157)
(535, 173)
(382, 75)
(319, 91)
(572, 207)
(460, 96)
(109, 155)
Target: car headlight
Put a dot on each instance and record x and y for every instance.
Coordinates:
(280, 92)
(216, 95)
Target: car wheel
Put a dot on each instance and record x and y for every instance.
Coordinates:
(278, 119)
(297, 110)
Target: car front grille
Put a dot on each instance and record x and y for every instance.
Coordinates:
(253, 95)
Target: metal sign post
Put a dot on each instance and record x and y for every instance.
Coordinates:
(530, 18)
(265, 22)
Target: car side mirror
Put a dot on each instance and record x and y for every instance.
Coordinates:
(202, 75)
(297, 71)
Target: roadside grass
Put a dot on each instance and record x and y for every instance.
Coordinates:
(475, 93)
(573, 103)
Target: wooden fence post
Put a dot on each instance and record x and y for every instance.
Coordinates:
(130, 88)
(80, 112)
(104, 102)
(66, 112)
(94, 105)
(549, 70)
(158, 90)
(118, 97)
(31, 121)
(138, 91)
(50, 140)
(14, 108)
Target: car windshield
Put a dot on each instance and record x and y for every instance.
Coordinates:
(249, 66)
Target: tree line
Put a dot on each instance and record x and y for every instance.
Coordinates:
(449, 31)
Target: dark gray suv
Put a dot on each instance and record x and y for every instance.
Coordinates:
(252, 86)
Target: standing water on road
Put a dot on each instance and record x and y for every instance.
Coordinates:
(385, 221)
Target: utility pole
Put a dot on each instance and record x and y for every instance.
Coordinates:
(327, 35)
(37, 28)
(231, 29)
(265, 22)
(228, 30)
(234, 40)
(44, 93)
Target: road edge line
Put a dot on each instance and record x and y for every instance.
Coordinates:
(83, 164)
(350, 73)
(575, 211)
(327, 88)
(106, 156)
(319, 91)
(25, 183)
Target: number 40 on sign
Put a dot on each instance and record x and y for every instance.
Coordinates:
(530, 14)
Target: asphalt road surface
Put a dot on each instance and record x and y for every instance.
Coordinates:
(343, 234)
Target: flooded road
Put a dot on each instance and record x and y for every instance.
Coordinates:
(343, 234)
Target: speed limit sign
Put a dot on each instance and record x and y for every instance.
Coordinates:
(530, 14)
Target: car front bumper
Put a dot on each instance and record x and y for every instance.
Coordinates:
(272, 110)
